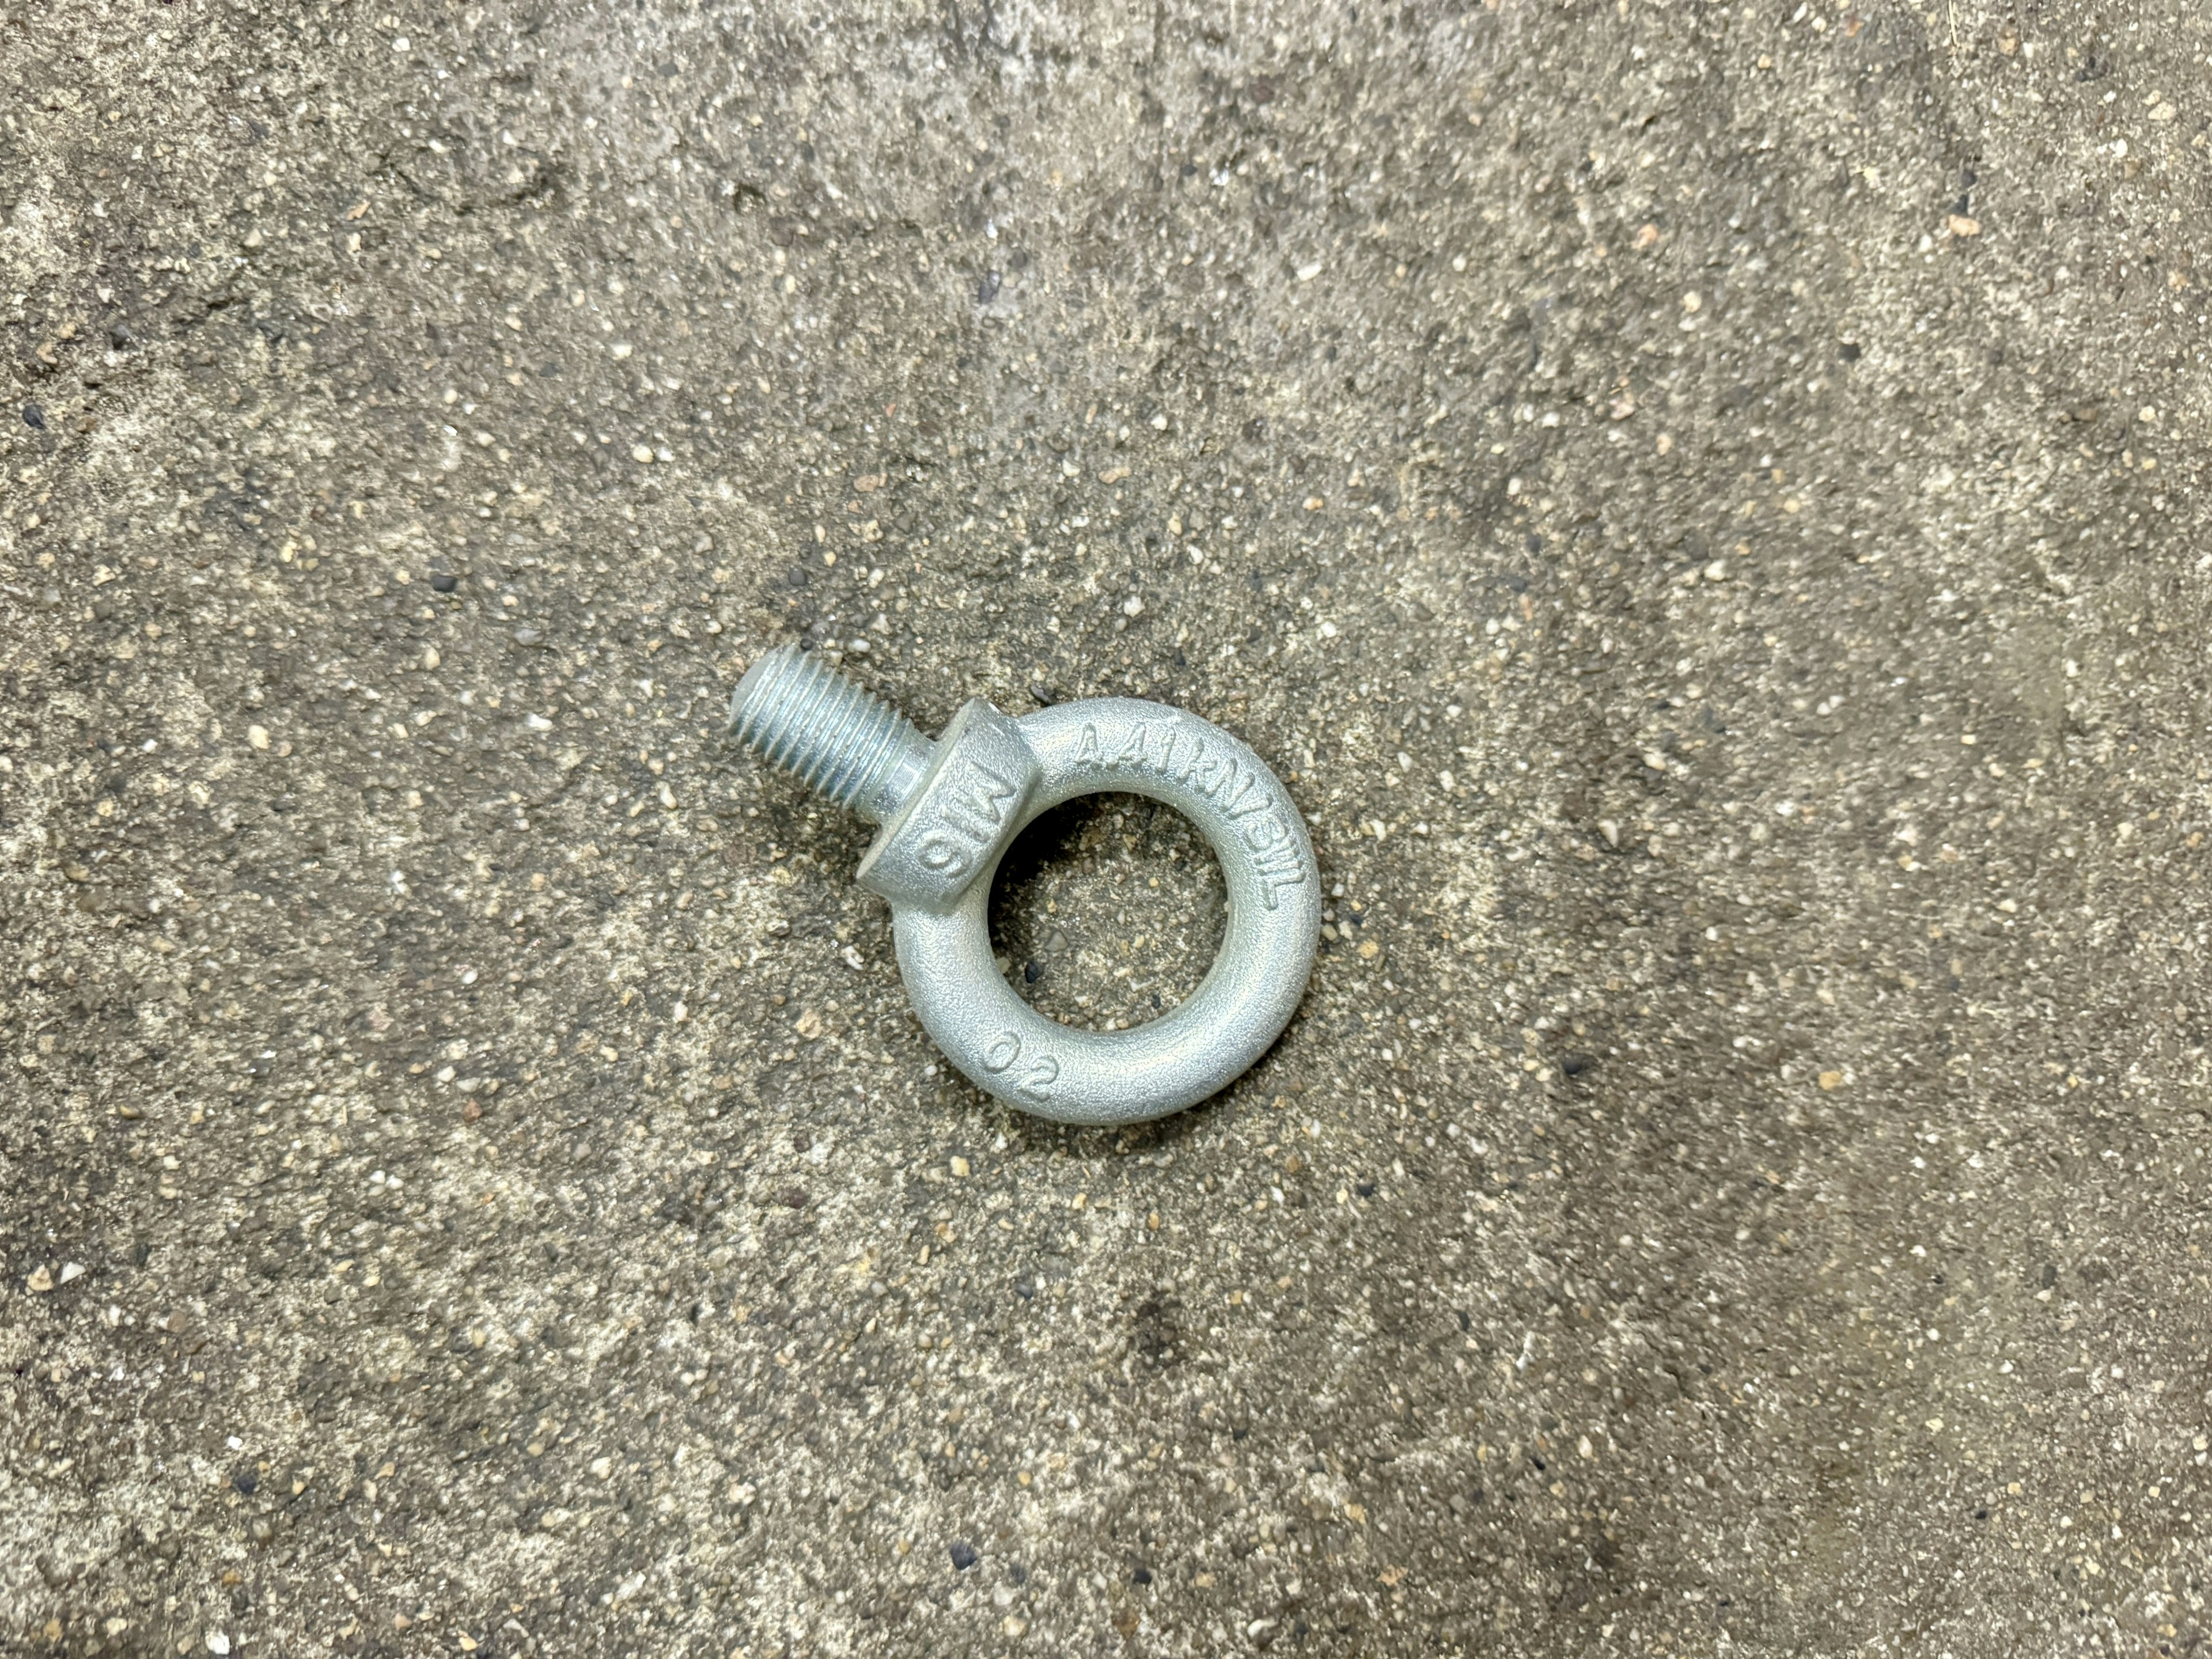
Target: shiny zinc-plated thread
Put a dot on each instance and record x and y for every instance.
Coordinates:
(796, 712)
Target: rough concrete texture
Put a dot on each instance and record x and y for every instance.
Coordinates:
(1702, 503)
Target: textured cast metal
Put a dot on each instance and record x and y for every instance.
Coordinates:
(941, 920)
(963, 813)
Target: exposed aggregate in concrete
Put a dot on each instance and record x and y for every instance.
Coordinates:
(1704, 506)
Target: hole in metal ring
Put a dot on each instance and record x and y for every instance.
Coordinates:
(1107, 911)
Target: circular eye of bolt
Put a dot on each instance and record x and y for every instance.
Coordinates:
(950, 810)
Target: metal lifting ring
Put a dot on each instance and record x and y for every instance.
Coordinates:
(950, 810)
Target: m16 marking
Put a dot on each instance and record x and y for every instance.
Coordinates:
(968, 815)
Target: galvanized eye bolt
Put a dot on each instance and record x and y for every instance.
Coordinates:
(951, 809)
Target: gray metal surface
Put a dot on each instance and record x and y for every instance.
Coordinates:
(959, 818)
(1071, 1076)
(948, 822)
(795, 711)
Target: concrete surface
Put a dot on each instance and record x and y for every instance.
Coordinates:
(1703, 503)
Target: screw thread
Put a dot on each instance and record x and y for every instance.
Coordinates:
(795, 711)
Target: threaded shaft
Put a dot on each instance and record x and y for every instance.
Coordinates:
(795, 711)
